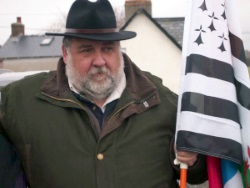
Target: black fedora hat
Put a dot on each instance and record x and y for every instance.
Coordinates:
(94, 21)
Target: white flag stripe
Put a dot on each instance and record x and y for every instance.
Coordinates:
(241, 72)
(232, 14)
(210, 87)
(204, 124)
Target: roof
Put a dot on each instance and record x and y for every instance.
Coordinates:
(174, 26)
(171, 27)
(33, 46)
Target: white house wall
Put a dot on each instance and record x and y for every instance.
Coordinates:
(31, 64)
(153, 51)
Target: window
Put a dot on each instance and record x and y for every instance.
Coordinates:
(46, 41)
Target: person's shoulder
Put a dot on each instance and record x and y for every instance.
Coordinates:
(162, 89)
(25, 82)
(157, 81)
(153, 78)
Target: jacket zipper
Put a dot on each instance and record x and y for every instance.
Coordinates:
(141, 101)
(120, 110)
(65, 100)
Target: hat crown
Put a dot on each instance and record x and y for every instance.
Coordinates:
(93, 21)
(84, 14)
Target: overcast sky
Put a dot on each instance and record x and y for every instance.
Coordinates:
(37, 15)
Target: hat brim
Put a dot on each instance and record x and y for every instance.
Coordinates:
(117, 36)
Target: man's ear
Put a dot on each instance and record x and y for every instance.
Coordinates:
(65, 54)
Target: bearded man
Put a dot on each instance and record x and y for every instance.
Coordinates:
(98, 121)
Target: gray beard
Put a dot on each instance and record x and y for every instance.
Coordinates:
(92, 87)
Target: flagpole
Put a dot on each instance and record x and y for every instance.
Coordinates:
(183, 175)
(214, 172)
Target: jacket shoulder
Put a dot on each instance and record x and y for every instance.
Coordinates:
(25, 85)
(162, 90)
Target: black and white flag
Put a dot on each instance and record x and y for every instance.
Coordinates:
(214, 100)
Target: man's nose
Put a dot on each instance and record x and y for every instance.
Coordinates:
(99, 59)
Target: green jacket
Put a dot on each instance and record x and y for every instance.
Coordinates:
(60, 147)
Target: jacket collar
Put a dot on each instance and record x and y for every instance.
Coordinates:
(56, 84)
(138, 84)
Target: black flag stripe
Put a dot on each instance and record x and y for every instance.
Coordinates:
(243, 94)
(212, 106)
(237, 48)
(217, 69)
(215, 146)
(209, 67)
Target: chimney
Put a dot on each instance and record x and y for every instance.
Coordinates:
(131, 6)
(17, 28)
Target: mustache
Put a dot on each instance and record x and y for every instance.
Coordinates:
(99, 70)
